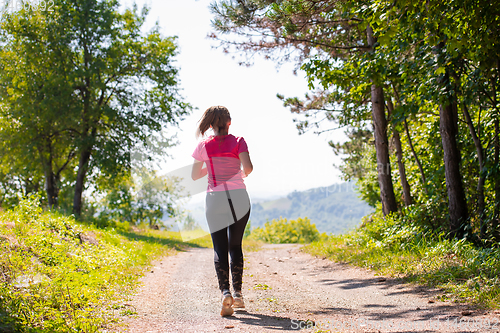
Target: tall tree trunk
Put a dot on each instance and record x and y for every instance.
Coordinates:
(80, 180)
(482, 174)
(51, 188)
(86, 148)
(410, 142)
(457, 204)
(387, 196)
(495, 223)
(83, 165)
(495, 226)
(399, 152)
(448, 127)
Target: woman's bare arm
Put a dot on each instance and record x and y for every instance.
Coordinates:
(246, 162)
(198, 170)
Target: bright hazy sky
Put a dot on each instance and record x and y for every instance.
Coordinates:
(283, 160)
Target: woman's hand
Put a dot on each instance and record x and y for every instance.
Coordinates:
(246, 162)
(198, 170)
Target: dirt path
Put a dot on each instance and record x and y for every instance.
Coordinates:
(286, 289)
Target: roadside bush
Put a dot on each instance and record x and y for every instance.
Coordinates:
(284, 231)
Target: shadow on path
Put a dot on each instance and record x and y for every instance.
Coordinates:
(263, 321)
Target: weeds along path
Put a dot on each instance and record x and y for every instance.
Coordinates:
(285, 290)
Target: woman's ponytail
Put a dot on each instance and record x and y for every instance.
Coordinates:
(215, 116)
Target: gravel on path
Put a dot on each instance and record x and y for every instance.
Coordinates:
(288, 290)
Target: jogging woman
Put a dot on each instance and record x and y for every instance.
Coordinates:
(227, 209)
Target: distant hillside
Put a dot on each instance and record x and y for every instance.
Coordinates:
(334, 209)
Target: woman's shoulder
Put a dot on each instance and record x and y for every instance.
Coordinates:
(205, 140)
(241, 144)
(237, 138)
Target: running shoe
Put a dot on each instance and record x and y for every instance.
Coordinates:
(227, 303)
(238, 300)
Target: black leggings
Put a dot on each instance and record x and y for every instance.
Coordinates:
(227, 236)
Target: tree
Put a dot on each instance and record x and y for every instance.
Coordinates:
(35, 93)
(441, 32)
(399, 153)
(325, 34)
(431, 58)
(127, 86)
(110, 87)
(389, 204)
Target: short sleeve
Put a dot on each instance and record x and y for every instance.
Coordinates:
(242, 146)
(197, 154)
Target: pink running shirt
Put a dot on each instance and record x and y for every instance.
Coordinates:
(221, 156)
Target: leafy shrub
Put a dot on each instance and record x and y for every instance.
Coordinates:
(284, 231)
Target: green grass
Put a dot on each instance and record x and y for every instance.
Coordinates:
(284, 231)
(465, 272)
(57, 275)
(188, 235)
(251, 245)
(203, 239)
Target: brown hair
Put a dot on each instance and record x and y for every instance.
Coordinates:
(215, 116)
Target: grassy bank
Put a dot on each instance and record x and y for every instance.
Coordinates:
(57, 275)
(397, 247)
